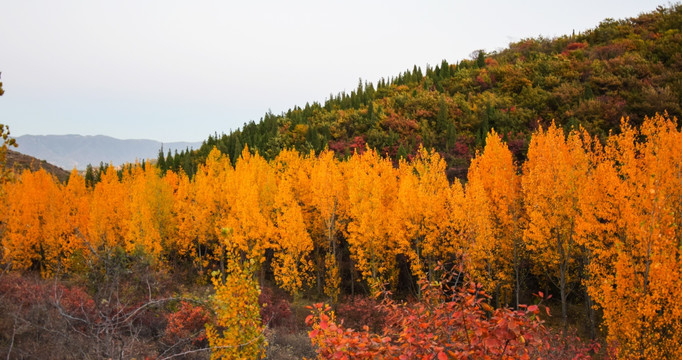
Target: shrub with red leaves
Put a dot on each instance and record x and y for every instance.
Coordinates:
(357, 311)
(187, 323)
(448, 323)
(274, 310)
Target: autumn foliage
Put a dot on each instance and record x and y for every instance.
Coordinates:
(588, 219)
(448, 323)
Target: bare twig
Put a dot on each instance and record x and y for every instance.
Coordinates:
(11, 344)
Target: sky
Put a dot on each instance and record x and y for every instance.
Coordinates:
(182, 70)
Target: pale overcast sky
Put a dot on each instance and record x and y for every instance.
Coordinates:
(181, 70)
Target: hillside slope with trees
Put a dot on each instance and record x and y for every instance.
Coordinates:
(622, 68)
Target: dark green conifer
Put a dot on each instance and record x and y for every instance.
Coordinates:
(402, 152)
(238, 147)
(161, 161)
(480, 59)
(442, 119)
(169, 160)
(89, 176)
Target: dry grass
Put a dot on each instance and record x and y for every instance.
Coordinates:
(287, 344)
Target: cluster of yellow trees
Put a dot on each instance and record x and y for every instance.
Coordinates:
(605, 215)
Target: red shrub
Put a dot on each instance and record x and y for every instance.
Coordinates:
(274, 309)
(576, 45)
(358, 311)
(187, 323)
(445, 324)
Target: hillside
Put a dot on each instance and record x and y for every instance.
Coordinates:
(20, 162)
(69, 151)
(621, 68)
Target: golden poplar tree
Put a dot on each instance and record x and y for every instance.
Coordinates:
(495, 219)
(109, 213)
(327, 190)
(639, 277)
(455, 244)
(293, 244)
(248, 225)
(372, 193)
(237, 331)
(553, 179)
(421, 211)
(76, 196)
(180, 243)
(209, 204)
(150, 202)
(35, 223)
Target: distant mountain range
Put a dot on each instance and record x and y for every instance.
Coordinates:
(69, 151)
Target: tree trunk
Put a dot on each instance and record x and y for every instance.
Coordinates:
(320, 267)
(590, 316)
(564, 295)
(352, 278)
(223, 255)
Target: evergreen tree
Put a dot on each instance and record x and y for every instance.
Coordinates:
(360, 92)
(176, 161)
(169, 160)
(100, 171)
(313, 139)
(370, 113)
(187, 162)
(480, 59)
(238, 147)
(89, 176)
(484, 127)
(444, 70)
(161, 161)
(442, 119)
(402, 152)
(450, 136)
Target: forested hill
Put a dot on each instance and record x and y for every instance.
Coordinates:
(621, 68)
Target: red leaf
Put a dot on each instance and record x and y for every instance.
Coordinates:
(442, 356)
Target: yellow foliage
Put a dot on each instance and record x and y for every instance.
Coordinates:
(493, 203)
(237, 332)
(291, 266)
(36, 225)
(327, 198)
(250, 191)
(150, 205)
(421, 210)
(372, 186)
(109, 213)
(553, 180)
(641, 274)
